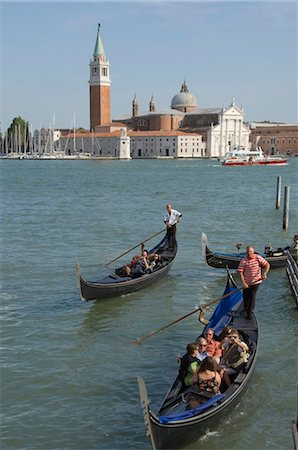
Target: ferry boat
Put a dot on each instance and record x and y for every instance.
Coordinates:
(243, 157)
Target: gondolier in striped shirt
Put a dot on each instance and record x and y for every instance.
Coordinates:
(252, 269)
(171, 218)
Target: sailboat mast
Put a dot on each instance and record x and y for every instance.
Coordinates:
(74, 133)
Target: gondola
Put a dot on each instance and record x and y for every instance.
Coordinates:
(292, 273)
(114, 285)
(277, 258)
(177, 423)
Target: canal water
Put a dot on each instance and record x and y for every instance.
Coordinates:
(69, 368)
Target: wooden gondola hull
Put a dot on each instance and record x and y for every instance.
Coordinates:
(177, 424)
(114, 285)
(231, 261)
(176, 437)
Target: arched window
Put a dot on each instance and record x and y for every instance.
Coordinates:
(141, 122)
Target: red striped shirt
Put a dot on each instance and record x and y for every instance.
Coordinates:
(251, 268)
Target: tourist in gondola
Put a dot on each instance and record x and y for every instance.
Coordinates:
(171, 218)
(234, 354)
(250, 270)
(232, 339)
(212, 345)
(202, 353)
(153, 259)
(207, 377)
(141, 266)
(189, 363)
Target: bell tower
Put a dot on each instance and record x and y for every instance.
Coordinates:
(99, 86)
(152, 105)
(135, 107)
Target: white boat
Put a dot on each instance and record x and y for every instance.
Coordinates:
(243, 157)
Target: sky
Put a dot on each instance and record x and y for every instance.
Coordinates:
(223, 49)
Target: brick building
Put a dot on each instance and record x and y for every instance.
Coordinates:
(275, 138)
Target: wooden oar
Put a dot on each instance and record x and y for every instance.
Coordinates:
(142, 339)
(199, 308)
(141, 243)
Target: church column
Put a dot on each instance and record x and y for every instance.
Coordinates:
(227, 135)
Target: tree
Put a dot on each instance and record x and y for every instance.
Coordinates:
(18, 137)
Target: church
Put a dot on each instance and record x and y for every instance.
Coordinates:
(183, 130)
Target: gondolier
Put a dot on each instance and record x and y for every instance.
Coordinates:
(171, 219)
(250, 270)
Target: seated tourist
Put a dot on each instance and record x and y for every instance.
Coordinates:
(153, 259)
(127, 267)
(234, 352)
(202, 345)
(232, 338)
(224, 332)
(189, 364)
(141, 265)
(212, 345)
(207, 378)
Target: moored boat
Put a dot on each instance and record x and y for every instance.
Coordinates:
(276, 258)
(243, 157)
(177, 422)
(114, 285)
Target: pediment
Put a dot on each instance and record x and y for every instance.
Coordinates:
(233, 110)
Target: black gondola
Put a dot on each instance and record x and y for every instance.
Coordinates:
(277, 258)
(292, 273)
(176, 424)
(114, 285)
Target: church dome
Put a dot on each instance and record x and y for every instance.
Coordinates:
(184, 101)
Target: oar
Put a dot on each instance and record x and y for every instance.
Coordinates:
(199, 308)
(142, 339)
(141, 243)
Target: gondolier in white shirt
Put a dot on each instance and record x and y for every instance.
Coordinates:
(171, 218)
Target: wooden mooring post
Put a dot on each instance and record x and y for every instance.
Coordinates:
(286, 208)
(278, 192)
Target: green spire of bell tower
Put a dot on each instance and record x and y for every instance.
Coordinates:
(99, 50)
